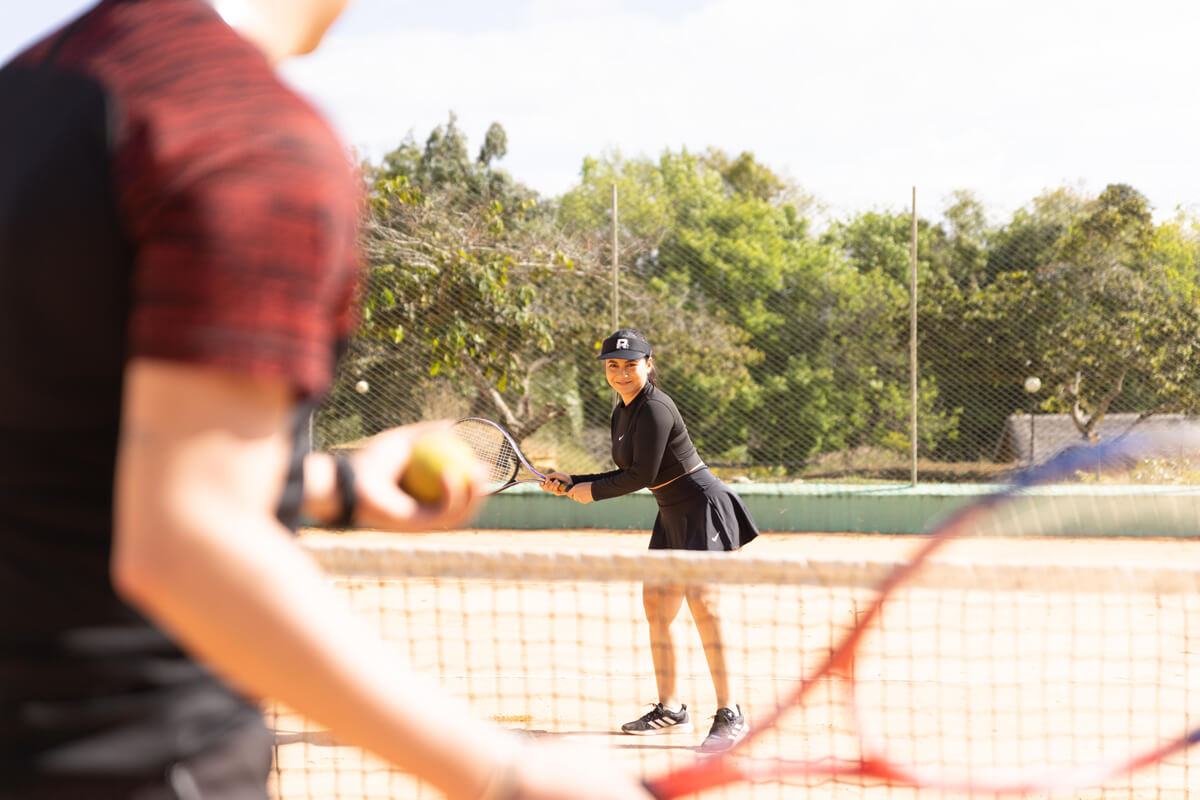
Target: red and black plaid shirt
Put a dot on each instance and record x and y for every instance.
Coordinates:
(162, 195)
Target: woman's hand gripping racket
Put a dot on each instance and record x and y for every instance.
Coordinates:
(496, 449)
(994, 683)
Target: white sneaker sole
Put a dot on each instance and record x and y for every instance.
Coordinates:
(685, 727)
(725, 744)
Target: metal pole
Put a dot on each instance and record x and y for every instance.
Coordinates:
(1033, 385)
(912, 335)
(1032, 435)
(615, 315)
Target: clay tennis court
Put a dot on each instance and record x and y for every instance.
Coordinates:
(571, 660)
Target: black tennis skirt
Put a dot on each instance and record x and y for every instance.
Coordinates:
(700, 512)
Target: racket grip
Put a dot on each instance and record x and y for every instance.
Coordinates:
(649, 786)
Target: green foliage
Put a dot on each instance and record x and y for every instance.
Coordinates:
(745, 176)
(445, 278)
(1106, 267)
(457, 256)
(867, 341)
(644, 212)
(1093, 298)
(710, 243)
(877, 243)
(780, 346)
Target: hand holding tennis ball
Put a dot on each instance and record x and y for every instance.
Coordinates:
(439, 459)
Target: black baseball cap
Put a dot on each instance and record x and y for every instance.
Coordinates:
(625, 343)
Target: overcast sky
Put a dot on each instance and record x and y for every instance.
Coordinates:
(856, 100)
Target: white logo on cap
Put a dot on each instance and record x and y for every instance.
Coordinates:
(622, 344)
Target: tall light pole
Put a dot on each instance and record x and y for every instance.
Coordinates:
(1033, 385)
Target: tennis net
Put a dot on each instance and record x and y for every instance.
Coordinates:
(992, 659)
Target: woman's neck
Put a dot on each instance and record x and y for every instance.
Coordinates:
(627, 399)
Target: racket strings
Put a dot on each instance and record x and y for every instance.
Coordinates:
(1011, 678)
(492, 448)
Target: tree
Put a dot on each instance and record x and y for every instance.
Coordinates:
(1110, 313)
(779, 345)
(1105, 314)
(462, 263)
(870, 342)
(744, 175)
(759, 272)
(829, 366)
(644, 213)
(1028, 241)
(704, 356)
(962, 251)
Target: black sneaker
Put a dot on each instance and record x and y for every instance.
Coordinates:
(728, 728)
(660, 720)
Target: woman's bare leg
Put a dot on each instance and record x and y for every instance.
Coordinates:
(662, 604)
(702, 602)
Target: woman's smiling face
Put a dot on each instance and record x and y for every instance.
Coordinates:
(627, 376)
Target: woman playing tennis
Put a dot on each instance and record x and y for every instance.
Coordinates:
(696, 511)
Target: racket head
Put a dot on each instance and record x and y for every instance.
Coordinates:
(1052, 671)
(1037, 684)
(496, 449)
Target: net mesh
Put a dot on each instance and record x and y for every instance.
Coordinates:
(1006, 655)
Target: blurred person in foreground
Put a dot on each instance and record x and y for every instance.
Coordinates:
(177, 272)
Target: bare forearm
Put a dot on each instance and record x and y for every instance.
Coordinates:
(281, 632)
(200, 469)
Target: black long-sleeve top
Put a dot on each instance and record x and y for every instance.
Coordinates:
(650, 446)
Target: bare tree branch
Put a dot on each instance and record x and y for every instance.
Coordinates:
(485, 387)
(1086, 424)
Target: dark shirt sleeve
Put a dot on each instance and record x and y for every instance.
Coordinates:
(650, 435)
(594, 477)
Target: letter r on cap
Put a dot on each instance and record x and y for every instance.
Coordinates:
(622, 344)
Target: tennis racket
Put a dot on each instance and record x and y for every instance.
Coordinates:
(495, 448)
(1054, 707)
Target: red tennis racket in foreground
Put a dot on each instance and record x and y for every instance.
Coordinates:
(1021, 688)
(498, 451)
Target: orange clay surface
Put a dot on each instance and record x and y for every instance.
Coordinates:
(572, 661)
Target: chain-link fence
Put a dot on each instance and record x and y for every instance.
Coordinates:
(789, 349)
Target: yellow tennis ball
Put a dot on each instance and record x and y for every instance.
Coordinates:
(434, 455)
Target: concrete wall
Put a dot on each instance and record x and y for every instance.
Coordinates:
(867, 508)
